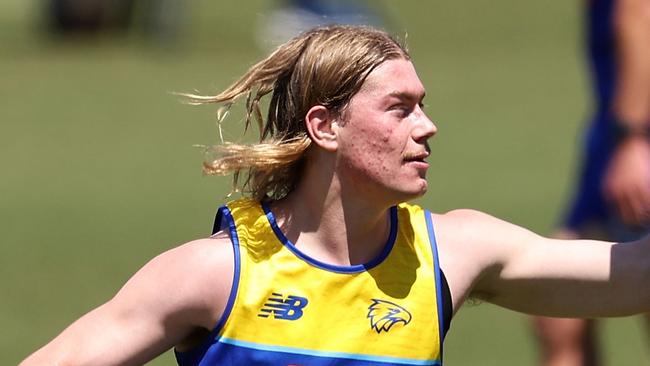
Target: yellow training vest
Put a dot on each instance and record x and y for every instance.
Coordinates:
(289, 309)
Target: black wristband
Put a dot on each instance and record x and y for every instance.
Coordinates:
(621, 130)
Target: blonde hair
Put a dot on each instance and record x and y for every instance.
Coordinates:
(323, 66)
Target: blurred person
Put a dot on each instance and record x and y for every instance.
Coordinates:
(324, 262)
(89, 16)
(291, 17)
(160, 20)
(612, 201)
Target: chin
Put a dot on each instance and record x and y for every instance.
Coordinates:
(421, 188)
(421, 192)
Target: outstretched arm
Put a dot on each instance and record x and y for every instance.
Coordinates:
(512, 267)
(176, 293)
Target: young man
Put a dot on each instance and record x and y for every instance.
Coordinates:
(325, 263)
(613, 195)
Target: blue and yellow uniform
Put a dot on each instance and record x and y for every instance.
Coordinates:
(286, 308)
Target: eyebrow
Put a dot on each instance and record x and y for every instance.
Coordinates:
(407, 95)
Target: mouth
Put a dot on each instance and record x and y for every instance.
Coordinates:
(416, 157)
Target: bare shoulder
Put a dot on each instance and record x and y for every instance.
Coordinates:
(468, 227)
(462, 228)
(204, 265)
(199, 274)
(211, 257)
(463, 218)
(472, 244)
(206, 254)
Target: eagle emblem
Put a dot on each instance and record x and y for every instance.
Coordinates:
(384, 314)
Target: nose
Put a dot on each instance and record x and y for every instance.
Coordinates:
(424, 129)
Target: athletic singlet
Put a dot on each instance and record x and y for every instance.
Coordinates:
(286, 308)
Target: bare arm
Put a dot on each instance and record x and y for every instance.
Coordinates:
(174, 294)
(515, 268)
(627, 183)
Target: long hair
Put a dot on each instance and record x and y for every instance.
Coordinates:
(323, 66)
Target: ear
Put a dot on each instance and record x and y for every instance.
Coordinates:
(321, 126)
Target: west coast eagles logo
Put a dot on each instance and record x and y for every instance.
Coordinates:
(384, 314)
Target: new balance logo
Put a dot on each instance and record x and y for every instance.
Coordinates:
(289, 308)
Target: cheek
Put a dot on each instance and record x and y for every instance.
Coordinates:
(374, 155)
(377, 140)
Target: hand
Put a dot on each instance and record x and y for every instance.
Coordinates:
(627, 181)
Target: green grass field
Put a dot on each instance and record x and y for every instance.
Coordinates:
(99, 172)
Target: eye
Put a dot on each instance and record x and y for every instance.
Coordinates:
(401, 110)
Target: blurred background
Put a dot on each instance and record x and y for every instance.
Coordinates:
(100, 171)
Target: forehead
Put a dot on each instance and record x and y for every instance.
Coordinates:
(393, 77)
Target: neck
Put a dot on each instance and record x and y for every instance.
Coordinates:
(332, 227)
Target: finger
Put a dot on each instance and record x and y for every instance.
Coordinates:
(615, 198)
(643, 208)
(635, 206)
(626, 211)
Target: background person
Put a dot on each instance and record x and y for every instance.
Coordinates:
(612, 199)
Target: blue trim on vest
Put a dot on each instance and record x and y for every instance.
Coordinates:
(325, 356)
(193, 356)
(235, 280)
(436, 268)
(331, 267)
(218, 218)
